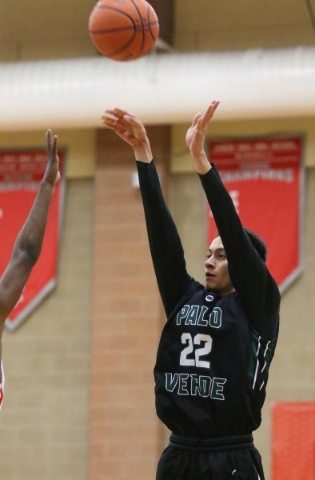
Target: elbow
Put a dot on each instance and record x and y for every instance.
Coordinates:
(31, 252)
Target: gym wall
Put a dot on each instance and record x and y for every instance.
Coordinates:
(66, 413)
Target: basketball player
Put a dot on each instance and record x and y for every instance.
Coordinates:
(217, 344)
(28, 243)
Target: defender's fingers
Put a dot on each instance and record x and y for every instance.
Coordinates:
(48, 142)
(48, 136)
(54, 147)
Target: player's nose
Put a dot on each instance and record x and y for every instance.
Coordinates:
(209, 263)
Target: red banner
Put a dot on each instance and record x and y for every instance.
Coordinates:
(293, 441)
(20, 176)
(265, 180)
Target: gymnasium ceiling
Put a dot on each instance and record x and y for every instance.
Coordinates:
(37, 29)
(273, 79)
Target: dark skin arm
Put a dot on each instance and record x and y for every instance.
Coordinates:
(28, 244)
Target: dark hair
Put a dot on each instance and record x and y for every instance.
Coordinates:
(257, 243)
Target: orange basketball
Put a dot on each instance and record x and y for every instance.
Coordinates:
(123, 29)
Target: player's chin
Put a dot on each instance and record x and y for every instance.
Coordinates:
(210, 283)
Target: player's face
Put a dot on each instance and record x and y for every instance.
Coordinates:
(216, 269)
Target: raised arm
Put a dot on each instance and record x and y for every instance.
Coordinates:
(249, 274)
(165, 245)
(195, 138)
(29, 241)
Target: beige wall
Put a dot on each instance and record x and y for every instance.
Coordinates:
(59, 28)
(126, 437)
(45, 416)
(44, 424)
(44, 30)
(292, 374)
(79, 146)
(181, 159)
(228, 25)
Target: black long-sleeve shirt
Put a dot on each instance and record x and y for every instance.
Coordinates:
(214, 354)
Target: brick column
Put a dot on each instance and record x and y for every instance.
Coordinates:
(126, 435)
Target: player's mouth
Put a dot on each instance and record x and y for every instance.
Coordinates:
(209, 275)
(209, 278)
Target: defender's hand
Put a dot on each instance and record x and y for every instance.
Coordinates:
(52, 174)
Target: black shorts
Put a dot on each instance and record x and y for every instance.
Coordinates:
(233, 458)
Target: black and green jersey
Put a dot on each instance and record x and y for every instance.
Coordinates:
(215, 351)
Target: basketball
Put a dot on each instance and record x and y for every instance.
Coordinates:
(123, 30)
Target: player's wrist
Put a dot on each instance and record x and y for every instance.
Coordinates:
(143, 153)
(202, 163)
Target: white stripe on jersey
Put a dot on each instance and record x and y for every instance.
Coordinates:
(265, 364)
(265, 353)
(257, 363)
